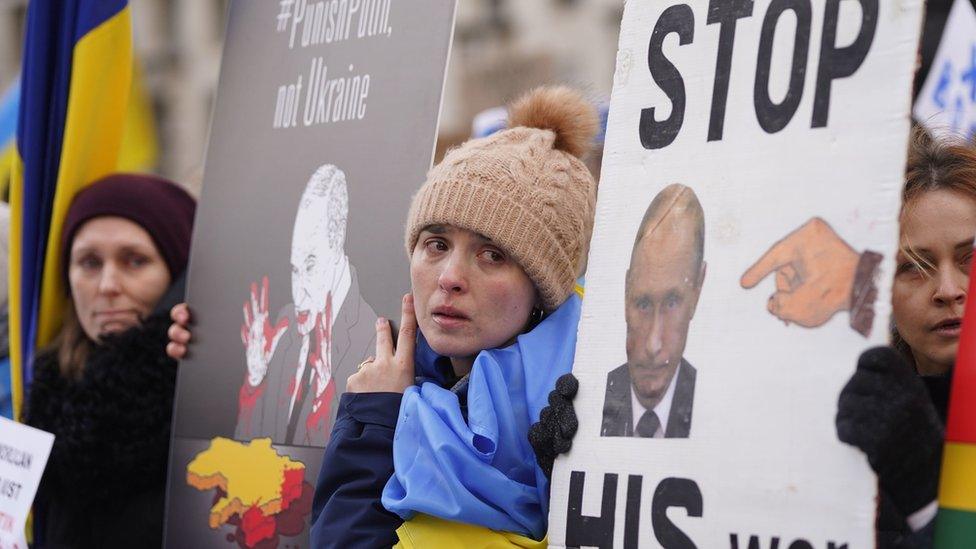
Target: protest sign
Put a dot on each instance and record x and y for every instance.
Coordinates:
(23, 453)
(740, 263)
(324, 126)
(946, 105)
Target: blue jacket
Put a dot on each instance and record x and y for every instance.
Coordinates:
(347, 510)
(357, 464)
(508, 388)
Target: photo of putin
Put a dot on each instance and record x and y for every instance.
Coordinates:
(652, 395)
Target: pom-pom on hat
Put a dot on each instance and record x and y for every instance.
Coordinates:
(158, 205)
(525, 188)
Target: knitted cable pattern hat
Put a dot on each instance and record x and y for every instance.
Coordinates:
(525, 188)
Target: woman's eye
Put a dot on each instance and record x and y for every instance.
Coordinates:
(908, 267)
(136, 261)
(435, 245)
(89, 263)
(965, 262)
(493, 256)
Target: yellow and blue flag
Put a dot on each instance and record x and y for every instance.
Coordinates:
(74, 109)
(9, 103)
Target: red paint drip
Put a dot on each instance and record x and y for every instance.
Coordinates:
(247, 399)
(318, 419)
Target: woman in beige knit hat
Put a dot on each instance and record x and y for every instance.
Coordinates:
(432, 434)
(496, 238)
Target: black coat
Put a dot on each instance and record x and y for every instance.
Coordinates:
(105, 482)
(892, 528)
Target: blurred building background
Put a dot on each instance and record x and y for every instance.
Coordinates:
(501, 48)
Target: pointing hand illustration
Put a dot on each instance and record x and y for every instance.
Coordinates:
(815, 275)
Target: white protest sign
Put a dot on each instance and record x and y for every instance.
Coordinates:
(741, 262)
(23, 453)
(19, 542)
(946, 105)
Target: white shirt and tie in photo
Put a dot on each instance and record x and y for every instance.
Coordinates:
(625, 416)
(655, 418)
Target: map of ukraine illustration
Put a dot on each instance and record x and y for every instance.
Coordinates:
(256, 482)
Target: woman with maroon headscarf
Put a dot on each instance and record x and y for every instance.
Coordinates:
(105, 386)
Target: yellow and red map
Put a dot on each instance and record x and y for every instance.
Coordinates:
(258, 490)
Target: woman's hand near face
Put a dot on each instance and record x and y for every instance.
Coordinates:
(179, 331)
(392, 370)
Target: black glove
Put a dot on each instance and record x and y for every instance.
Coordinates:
(553, 434)
(885, 411)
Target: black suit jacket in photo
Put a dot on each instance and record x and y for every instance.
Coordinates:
(618, 415)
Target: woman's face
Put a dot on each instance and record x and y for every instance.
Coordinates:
(116, 275)
(469, 295)
(932, 275)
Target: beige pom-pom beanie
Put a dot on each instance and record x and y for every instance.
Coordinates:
(525, 188)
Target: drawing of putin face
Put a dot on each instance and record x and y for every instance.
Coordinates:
(317, 246)
(662, 289)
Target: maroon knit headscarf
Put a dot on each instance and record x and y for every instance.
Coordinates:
(158, 205)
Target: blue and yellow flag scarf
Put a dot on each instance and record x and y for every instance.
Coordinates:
(482, 471)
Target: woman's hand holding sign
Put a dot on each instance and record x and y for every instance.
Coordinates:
(392, 369)
(179, 332)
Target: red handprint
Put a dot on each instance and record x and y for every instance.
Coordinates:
(259, 337)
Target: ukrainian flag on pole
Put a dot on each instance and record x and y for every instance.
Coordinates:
(955, 526)
(9, 103)
(75, 86)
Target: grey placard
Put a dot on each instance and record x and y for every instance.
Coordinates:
(270, 162)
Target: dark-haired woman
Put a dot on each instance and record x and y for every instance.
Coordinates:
(894, 406)
(105, 386)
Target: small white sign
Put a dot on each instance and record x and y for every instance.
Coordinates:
(947, 102)
(23, 454)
